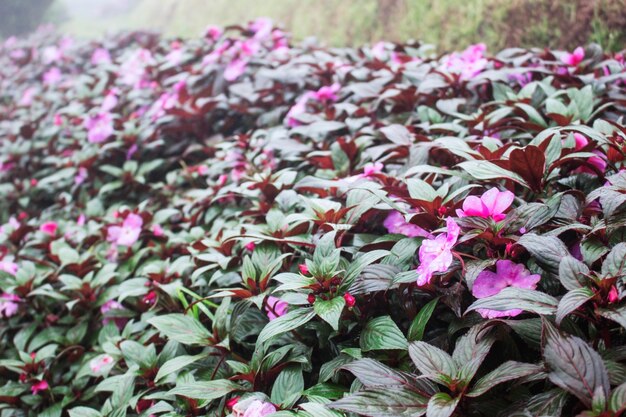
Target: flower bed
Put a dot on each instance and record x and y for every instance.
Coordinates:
(233, 225)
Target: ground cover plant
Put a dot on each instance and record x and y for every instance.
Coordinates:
(234, 225)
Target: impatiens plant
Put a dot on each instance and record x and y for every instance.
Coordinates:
(239, 226)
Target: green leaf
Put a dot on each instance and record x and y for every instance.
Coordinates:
(618, 315)
(485, 170)
(318, 410)
(290, 321)
(574, 365)
(433, 362)
(183, 329)
(613, 265)
(416, 331)
(511, 297)
(177, 363)
(325, 390)
(205, 390)
(382, 333)
(288, 386)
(84, 412)
(617, 401)
(441, 405)
(572, 273)
(330, 310)
(358, 265)
(571, 301)
(384, 402)
(372, 373)
(547, 250)
(508, 371)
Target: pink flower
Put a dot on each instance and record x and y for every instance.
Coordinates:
(100, 362)
(213, 32)
(128, 233)
(581, 141)
(492, 203)
(49, 228)
(297, 109)
(372, 168)
(100, 56)
(52, 76)
(468, 63)
(39, 386)
(304, 270)
(508, 274)
(157, 230)
(81, 176)
(235, 69)
(327, 93)
(27, 96)
(9, 304)
(275, 307)
(110, 101)
(256, 408)
(100, 127)
(396, 223)
(436, 254)
(8, 267)
(262, 27)
(112, 305)
(574, 58)
(613, 295)
(250, 246)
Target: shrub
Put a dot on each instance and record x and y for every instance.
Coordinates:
(237, 226)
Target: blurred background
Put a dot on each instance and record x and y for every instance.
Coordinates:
(449, 24)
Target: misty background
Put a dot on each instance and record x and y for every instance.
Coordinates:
(449, 24)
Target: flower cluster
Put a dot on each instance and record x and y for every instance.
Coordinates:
(238, 226)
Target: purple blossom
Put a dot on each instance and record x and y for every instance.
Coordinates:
(128, 233)
(396, 223)
(9, 304)
(275, 307)
(435, 255)
(100, 127)
(508, 274)
(493, 203)
(468, 63)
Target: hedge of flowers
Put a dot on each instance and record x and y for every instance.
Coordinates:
(234, 225)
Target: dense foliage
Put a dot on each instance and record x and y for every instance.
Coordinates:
(236, 226)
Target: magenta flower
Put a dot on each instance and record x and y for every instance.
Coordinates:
(574, 58)
(157, 230)
(508, 274)
(100, 362)
(9, 304)
(111, 305)
(275, 307)
(235, 69)
(596, 161)
(436, 254)
(255, 408)
(100, 56)
(492, 203)
(262, 27)
(468, 63)
(397, 224)
(213, 32)
(52, 76)
(8, 267)
(128, 233)
(297, 109)
(100, 127)
(39, 386)
(49, 228)
(371, 169)
(327, 93)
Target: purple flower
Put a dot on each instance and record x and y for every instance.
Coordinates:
(468, 63)
(9, 267)
(52, 76)
(255, 408)
(128, 233)
(100, 56)
(275, 307)
(508, 274)
(9, 304)
(111, 305)
(235, 69)
(100, 127)
(397, 224)
(574, 58)
(327, 93)
(492, 203)
(436, 254)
